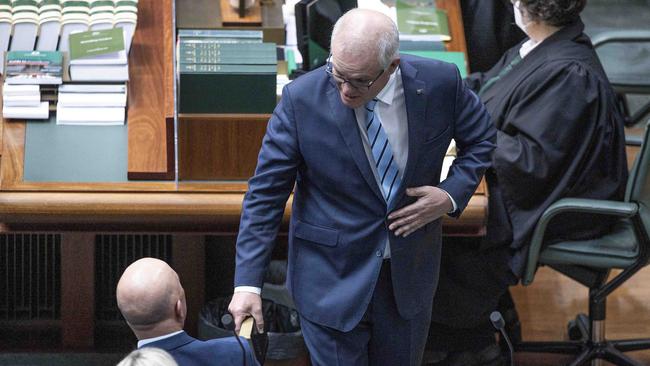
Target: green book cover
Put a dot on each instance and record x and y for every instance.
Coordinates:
(456, 58)
(93, 43)
(421, 21)
(229, 93)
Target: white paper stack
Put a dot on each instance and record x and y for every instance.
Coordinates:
(23, 102)
(49, 20)
(91, 104)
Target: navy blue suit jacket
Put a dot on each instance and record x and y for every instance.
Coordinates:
(338, 226)
(188, 351)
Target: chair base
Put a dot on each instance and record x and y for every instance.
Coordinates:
(586, 349)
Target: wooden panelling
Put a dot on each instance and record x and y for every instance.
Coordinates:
(13, 153)
(188, 257)
(219, 147)
(77, 291)
(150, 111)
(456, 29)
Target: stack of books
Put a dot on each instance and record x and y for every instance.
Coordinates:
(45, 25)
(6, 20)
(25, 71)
(25, 24)
(91, 104)
(75, 18)
(126, 17)
(421, 21)
(49, 22)
(237, 69)
(109, 67)
(102, 13)
(23, 102)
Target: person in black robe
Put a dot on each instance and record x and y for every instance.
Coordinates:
(490, 31)
(560, 134)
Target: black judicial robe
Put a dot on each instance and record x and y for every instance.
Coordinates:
(560, 134)
(490, 30)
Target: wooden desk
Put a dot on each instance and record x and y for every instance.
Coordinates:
(208, 145)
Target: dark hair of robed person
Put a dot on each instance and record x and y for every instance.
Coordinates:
(554, 12)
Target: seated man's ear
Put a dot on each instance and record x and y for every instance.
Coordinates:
(180, 309)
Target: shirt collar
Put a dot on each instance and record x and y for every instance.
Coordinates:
(527, 47)
(142, 342)
(387, 94)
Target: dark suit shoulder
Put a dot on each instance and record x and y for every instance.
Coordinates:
(309, 83)
(430, 69)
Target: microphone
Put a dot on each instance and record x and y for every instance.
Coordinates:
(497, 321)
(229, 324)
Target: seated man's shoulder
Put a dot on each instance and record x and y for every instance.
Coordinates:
(226, 350)
(225, 343)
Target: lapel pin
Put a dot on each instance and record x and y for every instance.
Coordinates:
(419, 91)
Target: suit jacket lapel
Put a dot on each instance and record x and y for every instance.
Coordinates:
(415, 100)
(347, 124)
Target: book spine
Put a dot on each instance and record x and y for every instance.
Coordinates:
(228, 47)
(233, 69)
(230, 59)
(220, 33)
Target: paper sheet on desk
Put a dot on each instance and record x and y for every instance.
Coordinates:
(449, 158)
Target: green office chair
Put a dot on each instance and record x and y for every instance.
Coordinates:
(626, 61)
(589, 262)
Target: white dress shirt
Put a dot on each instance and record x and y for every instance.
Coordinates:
(142, 342)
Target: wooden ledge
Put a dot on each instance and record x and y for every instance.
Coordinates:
(198, 212)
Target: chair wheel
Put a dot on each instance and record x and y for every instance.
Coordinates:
(578, 328)
(573, 331)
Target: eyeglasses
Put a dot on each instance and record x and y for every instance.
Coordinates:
(358, 84)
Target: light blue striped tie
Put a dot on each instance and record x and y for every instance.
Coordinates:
(382, 152)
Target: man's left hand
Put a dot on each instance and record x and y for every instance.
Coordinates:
(432, 202)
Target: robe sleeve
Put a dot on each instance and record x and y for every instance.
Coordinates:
(550, 113)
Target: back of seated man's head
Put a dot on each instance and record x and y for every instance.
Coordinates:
(151, 298)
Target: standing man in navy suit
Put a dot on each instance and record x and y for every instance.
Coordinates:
(152, 301)
(362, 140)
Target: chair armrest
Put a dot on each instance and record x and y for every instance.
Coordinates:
(620, 36)
(633, 140)
(578, 205)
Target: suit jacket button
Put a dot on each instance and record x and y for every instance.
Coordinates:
(378, 253)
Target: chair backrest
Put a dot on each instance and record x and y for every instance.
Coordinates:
(638, 186)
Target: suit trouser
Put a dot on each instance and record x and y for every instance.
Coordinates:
(382, 337)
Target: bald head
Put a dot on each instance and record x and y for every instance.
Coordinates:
(151, 298)
(365, 33)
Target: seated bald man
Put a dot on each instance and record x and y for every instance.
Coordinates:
(152, 301)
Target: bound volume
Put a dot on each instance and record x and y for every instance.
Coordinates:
(226, 71)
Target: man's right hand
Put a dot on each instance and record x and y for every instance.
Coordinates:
(245, 304)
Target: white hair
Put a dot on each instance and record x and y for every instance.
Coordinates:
(148, 356)
(366, 33)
